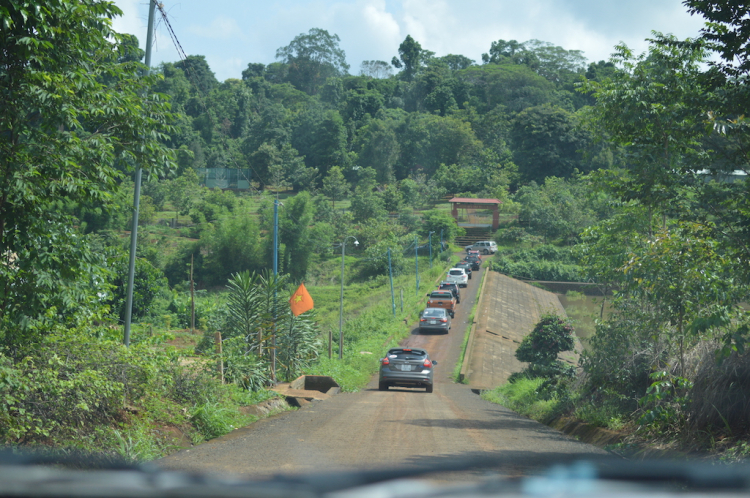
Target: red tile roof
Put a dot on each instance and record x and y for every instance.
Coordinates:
(469, 200)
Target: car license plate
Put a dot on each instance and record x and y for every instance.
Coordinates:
(406, 368)
(433, 322)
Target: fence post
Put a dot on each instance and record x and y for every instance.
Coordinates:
(217, 338)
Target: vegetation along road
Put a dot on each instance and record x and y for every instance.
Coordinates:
(379, 429)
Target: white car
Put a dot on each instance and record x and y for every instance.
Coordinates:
(458, 276)
(483, 246)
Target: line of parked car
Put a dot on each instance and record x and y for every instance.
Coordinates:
(442, 302)
(412, 367)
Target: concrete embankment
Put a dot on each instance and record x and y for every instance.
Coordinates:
(508, 310)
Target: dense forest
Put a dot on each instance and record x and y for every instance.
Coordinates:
(626, 173)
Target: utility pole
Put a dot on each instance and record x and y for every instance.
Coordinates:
(275, 277)
(430, 244)
(390, 273)
(416, 261)
(192, 298)
(137, 193)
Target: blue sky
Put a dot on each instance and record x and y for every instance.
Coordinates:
(233, 33)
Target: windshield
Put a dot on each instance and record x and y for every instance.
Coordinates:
(204, 262)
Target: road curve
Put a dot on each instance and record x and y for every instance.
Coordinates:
(374, 429)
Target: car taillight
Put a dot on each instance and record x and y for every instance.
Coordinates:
(385, 361)
(422, 319)
(444, 320)
(427, 364)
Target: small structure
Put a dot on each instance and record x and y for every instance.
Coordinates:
(225, 178)
(465, 211)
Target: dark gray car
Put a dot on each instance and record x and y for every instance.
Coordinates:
(435, 320)
(406, 367)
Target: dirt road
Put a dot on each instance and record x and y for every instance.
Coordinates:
(372, 429)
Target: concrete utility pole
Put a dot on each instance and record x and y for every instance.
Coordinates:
(137, 192)
(416, 261)
(275, 276)
(390, 274)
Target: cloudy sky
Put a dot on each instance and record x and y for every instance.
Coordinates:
(233, 33)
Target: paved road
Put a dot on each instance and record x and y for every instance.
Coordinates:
(372, 429)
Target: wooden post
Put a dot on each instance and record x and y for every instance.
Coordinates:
(192, 298)
(217, 338)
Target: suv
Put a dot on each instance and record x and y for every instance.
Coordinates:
(474, 260)
(483, 246)
(442, 299)
(453, 287)
(459, 276)
(466, 266)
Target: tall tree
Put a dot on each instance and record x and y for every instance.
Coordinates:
(375, 69)
(312, 58)
(411, 57)
(198, 73)
(548, 141)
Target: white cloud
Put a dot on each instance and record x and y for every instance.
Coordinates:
(221, 28)
(131, 21)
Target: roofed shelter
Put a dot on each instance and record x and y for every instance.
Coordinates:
(464, 211)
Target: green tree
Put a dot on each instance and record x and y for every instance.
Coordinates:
(198, 73)
(654, 105)
(294, 233)
(183, 192)
(375, 69)
(335, 185)
(147, 284)
(312, 58)
(378, 149)
(411, 57)
(548, 141)
(232, 246)
(71, 116)
(439, 222)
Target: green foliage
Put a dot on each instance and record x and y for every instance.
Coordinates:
(72, 120)
(558, 209)
(232, 247)
(148, 283)
(548, 142)
(543, 262)
(551, 336)
(522, 397)
(439, 222)
(312, 58)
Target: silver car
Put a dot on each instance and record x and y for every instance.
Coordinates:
(406, 367)
(435, 320)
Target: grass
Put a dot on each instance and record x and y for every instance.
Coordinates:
(521, 397)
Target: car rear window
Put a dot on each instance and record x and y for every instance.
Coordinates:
(434, 312)
(400, 353)
(457, 272)
(441, 295)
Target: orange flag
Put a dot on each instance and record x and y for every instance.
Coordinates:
(301, 301)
